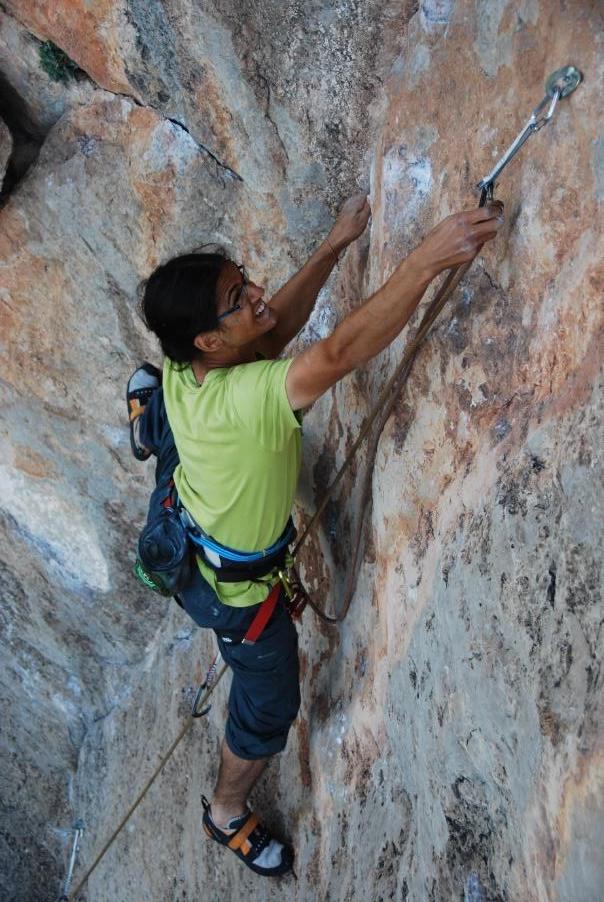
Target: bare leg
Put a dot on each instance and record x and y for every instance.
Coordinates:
(235, 780)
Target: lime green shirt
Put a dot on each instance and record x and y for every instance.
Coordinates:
(239, 445)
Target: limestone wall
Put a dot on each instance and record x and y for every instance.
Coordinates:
(450, 740)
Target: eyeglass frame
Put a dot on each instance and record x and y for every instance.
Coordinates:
(244, 285)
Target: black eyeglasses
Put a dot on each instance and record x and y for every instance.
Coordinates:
(237, 306)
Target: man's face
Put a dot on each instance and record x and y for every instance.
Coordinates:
(253, 318)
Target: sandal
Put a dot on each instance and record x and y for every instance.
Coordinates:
(251, 842)
(141, 385)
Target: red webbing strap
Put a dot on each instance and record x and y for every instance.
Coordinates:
(167, 502)
(263, 616)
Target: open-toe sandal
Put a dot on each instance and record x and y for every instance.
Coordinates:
(251, 842)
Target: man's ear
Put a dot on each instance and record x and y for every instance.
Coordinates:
(208, 341)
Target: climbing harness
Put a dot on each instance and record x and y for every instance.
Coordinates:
(560, 84)
(164, 560)
(231, 565)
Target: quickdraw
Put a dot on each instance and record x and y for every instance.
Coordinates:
(560, 84)
(78, 829)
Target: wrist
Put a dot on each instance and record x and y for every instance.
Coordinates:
(332, 249)
(339, 243)
(420, 267)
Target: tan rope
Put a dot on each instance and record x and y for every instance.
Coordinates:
(73, 895)
(384, 404)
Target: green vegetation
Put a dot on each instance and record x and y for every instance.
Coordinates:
(57, 64)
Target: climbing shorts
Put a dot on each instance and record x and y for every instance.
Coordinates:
(265, 692)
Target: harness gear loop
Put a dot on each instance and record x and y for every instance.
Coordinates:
(297, 596)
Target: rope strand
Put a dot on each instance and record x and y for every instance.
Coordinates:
(143, 792)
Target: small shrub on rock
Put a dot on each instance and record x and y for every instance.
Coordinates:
(56, 63)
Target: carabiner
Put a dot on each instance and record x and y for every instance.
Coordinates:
(208, 684)
(286, 583)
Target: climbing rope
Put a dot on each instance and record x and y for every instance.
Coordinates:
(384, 405)
(560, 84)
(213, 677)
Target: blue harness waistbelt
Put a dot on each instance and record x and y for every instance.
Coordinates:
(220, 556)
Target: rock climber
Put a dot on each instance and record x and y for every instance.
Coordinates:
(233, 407)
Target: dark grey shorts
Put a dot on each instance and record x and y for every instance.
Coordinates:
(265, 692)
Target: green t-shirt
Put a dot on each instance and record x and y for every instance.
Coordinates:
(239, 445)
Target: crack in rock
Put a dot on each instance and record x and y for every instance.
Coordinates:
(10, 98)
(27, 139)
(231, 172)
(267, 115)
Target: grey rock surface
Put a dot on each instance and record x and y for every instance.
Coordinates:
(76, 626)
(449, 744)
(6, 147)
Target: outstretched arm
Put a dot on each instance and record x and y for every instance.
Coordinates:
(375, 323)
(293, 303)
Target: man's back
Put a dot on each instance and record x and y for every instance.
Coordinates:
(239, 446)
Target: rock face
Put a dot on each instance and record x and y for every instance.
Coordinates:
(6, 146)
(450, 740)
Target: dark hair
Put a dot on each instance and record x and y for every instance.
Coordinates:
(179, 302)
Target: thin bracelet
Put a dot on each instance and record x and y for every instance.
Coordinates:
(332, 250)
